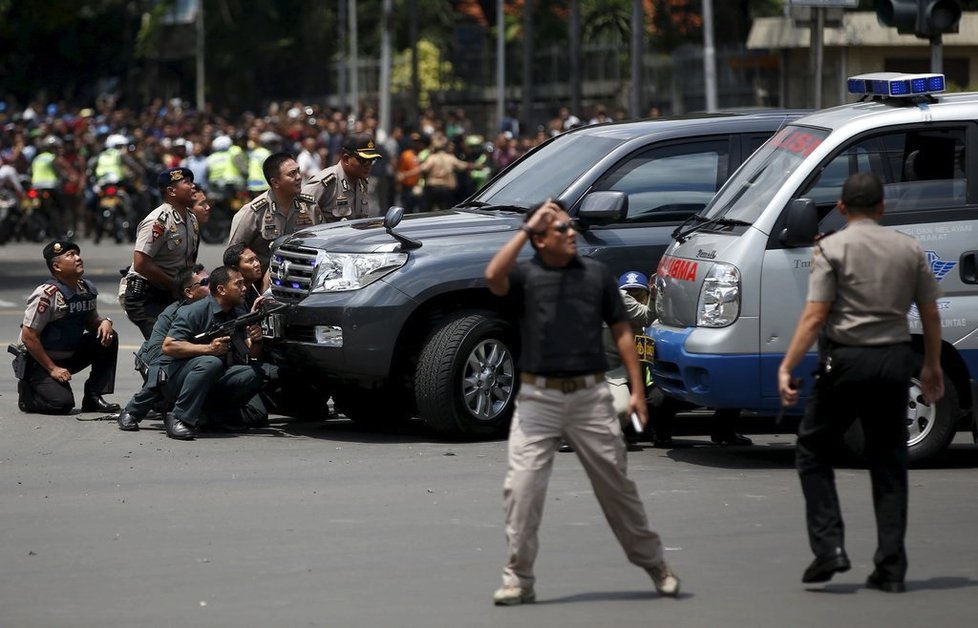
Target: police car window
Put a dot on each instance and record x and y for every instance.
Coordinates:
(927, 170)
(828, 186)
(669, 182)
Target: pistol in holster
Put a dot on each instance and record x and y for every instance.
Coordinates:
(20, 354)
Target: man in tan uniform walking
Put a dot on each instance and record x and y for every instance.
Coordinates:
(863, 281)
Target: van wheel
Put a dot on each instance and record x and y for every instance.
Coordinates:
(465, 382)
(378, 407)
(930, 427)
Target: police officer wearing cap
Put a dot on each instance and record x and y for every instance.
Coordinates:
(63, 333)
(341, 190)
(863, 280)
(166, 241)
(282, 210)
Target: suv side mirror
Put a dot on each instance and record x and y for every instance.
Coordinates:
(801, 224)
(393, 217)
(603, 207)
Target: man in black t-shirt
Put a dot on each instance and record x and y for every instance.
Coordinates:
(562, 300)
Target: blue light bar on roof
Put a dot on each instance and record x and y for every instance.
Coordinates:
(895, 84)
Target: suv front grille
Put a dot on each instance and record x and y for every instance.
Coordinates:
(291, 269)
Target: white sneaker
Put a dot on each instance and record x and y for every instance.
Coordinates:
(666, 582)
(511, 596)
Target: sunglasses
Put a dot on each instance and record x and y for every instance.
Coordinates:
(564, 227)
(203, 282)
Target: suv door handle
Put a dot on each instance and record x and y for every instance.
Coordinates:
(968, 267)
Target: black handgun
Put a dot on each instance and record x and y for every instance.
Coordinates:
(227, 328)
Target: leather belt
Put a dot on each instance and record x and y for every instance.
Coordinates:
(565, 385)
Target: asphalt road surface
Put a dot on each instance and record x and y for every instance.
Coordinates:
(321, 524)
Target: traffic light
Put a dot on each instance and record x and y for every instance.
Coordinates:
(935, 17)
(923, 18)
(902, 14)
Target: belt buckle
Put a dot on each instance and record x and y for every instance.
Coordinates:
(568, 386)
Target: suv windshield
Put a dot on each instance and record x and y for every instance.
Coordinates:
(549, 171)
(751, 188)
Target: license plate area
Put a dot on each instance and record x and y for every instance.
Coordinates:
(645, 347)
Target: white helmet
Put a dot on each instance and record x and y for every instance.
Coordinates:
(116, 140)
(221, 142)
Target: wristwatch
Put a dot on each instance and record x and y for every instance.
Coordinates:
(530, 232)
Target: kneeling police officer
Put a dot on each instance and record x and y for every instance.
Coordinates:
(63, 333)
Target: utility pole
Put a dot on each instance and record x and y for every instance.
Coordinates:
(638, 30)
(354, 61)
(528, 64)
(384, 89)
(500, 62)
(575, 57)
(199, 31)
(709, 58)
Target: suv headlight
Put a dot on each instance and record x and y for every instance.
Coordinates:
(719, 297)
(336, 272)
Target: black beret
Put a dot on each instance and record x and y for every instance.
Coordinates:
(59, 247)
(171, 176)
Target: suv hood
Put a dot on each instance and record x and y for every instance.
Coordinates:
(368, 234)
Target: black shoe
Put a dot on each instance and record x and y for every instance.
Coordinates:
(127, 423)
(95, 403)
(878, 582)
(175, 428)
(731, 438)
(824, 567)
(564, 446)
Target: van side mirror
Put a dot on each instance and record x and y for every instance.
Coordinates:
(606, 206)
(801, 224)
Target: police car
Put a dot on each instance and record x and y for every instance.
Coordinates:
(733, 283)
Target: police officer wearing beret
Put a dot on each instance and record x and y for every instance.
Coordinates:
(279, 211)
(341, 190)
(863, 280)
(166, 241)
(63, 334)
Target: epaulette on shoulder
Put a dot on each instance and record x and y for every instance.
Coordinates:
(50, 288)
(328, 180)
(259, 204)
(307, 198)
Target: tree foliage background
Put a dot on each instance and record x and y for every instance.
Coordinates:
(74, 50)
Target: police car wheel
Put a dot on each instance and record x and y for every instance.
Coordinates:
(465, 382)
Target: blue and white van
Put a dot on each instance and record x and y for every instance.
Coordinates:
(734, 281)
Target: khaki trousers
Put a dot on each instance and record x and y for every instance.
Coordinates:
(587, 421)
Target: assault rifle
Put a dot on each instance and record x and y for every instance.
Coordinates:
(227, 328)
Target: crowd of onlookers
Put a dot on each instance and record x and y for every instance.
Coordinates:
(169, 134)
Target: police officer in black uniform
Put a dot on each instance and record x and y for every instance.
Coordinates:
(863, 280)
(63, 333)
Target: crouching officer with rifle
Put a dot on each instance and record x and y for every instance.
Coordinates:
(207, 360)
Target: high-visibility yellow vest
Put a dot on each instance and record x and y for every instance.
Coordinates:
(43, 174)
(220, 170)
(109, 164)
(256, 176)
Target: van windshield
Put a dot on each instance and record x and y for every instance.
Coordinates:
(549, 171)
(752, 187)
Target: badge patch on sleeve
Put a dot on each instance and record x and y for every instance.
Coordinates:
(42, 305)
(158, 230)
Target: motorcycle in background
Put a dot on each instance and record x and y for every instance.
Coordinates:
(113, 212)
(225, 201)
